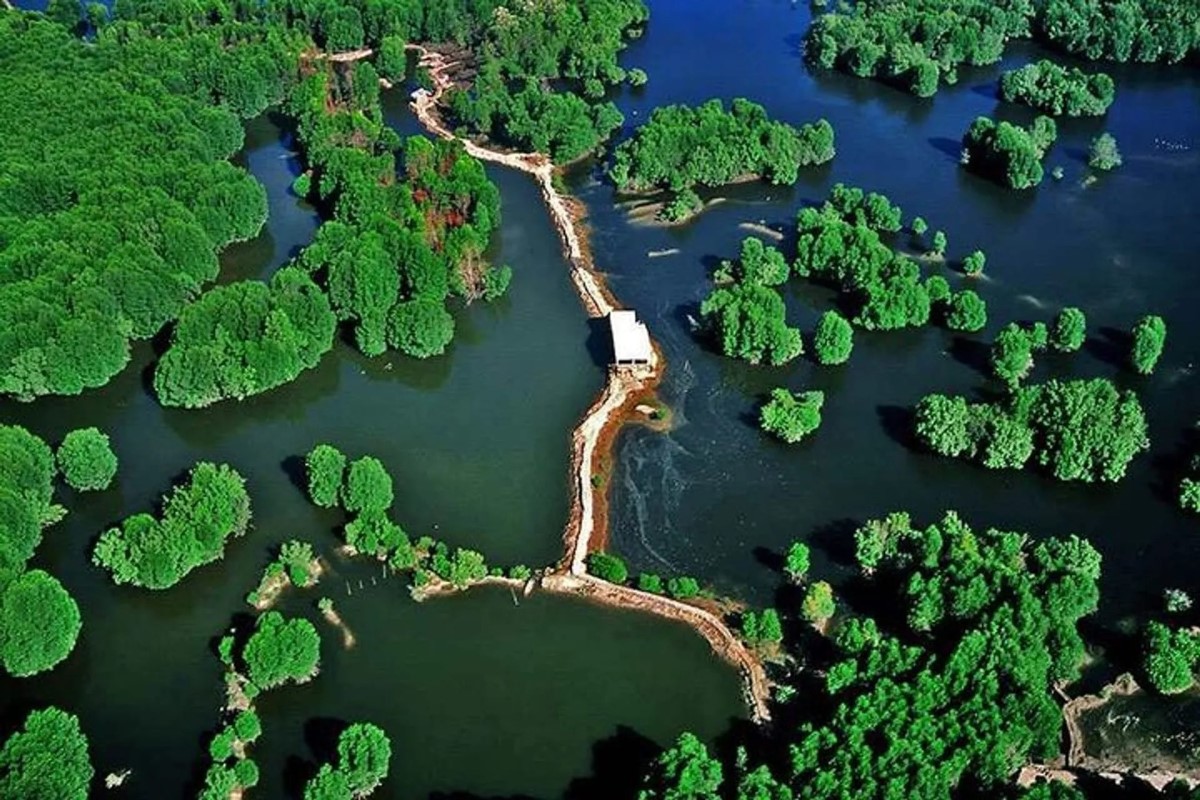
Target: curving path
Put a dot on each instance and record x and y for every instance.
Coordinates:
(571, 576)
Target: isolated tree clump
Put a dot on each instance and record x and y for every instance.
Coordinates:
(966, 312)
(86, 459)
(749, 321)
(1056, 90)
(790, 417)
(833, 340)
(1069, 330)
(197, 520)
(47, 759)
(325, 467)
(1149, 336)
(281, 650)
(1103, 153)
(1008, 153)
(39, 624)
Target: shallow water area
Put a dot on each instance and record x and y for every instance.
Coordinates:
(715, 497)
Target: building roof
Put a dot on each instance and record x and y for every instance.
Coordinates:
(631, 340)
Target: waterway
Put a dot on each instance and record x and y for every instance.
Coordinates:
(715, 498)
(478, 694)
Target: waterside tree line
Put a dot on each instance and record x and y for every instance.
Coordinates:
(919, 46)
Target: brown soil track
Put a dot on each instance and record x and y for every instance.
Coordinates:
(593, 437)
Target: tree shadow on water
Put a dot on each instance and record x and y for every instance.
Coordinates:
(836, 540)
(971, 353)
(951, 148)
(897, 422)
(1110, 345)
(618, 764)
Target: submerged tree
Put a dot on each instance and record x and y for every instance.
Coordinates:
(281, 650)
(791, 417)
(1149, 336)
(325, 467)
(833, 340)
(1069, 330)
(1103, 153)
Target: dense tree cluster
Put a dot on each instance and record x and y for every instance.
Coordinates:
(1013, 349)
(245, 338)
(1008, 153)
(1057, 90)
(1172, 658)
(197, 520)
(885, 286)
(1069, 330)
(395, 250)
(117, 191)
(918, 44)
(573, 46)
(86, 459)
(991, 621)
(790, 417)
(949, 688)
(364, 754)
(1085, 430)
(681, 147)
(231, 768)
(39, 620)
(1123, 30)
(833, 340)
(46, 759)
(749, 320)
(281, 650)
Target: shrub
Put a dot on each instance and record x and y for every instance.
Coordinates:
(608, 567)
(683, 588)
(649, 582)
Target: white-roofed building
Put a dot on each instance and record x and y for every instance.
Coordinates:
(630, 339)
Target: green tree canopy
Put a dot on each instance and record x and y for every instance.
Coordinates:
(86, 459)
(325, 467)
(684, 771)
(47, 759)
(791, 417)
(39, 624)
(608, 567)
(197, 520)
(368, 487)
(1149, 336)
(364, 753)
(281, 650)
(833, 340)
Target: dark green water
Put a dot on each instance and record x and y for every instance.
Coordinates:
(476, 694)
(709, 498)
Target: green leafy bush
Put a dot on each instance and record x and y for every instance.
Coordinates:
(281, 650)
(608, 567)
(791, 417)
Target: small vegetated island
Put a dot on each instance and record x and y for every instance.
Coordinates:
(840, 244)
(921, 44)
(1009, 154)
(680, 148)
(1056, 90)
(196, 520)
